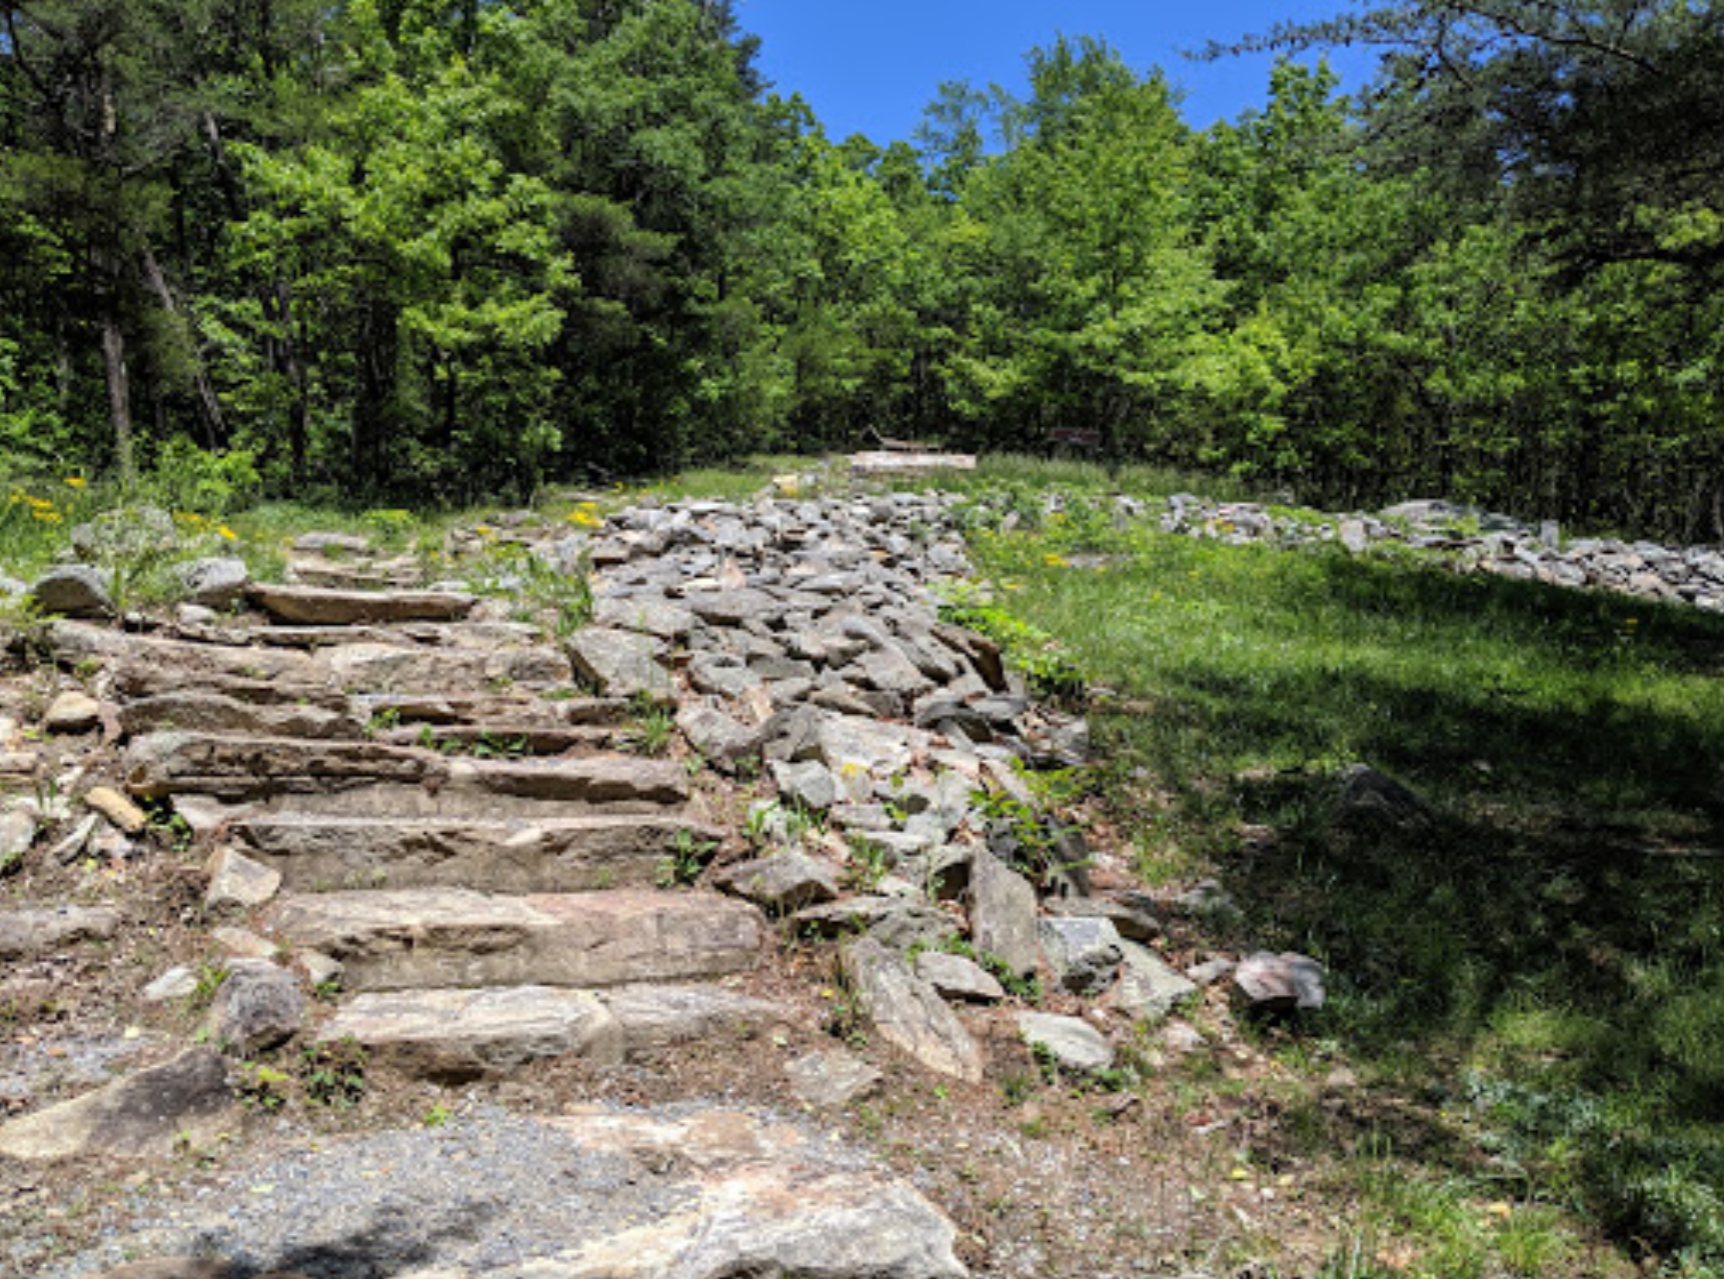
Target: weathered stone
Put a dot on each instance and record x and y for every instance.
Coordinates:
(720, 738)
(323, 606)
(1003, 914)
(73, 712)
(183, 1102)
(73, 590)
(236, 880)
(651, 615)
(214, 583)
(652, 1017)
(204, 712)
(1269, 982)
(321, 543)
(1149, 988)
(1132, 919)
(1210, 971)
(621, 663)
(720, 675)
(17, 833)
(893, 921)
(785, 881)
(831, 1079)
(908, 1012)
(117, 809)
(849, 739)
(257, 1007)
(420, 938)
(236, 768)
(242, 943)
(456, 1035)
(1084, 953)
(520, 855)
(178, 982)
(956, 977)
(1071, 1043)
(34, 932)
(809, 784)
(761, 1202)
(72, 846)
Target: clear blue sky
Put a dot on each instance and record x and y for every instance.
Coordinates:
(871, 67)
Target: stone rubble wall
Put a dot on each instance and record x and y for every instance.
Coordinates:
(1467, 540)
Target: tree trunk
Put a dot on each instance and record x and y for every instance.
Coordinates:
(215, 423)
(119, 394)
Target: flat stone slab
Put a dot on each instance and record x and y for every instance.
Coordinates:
(238, 768)
(456, 1035)
(325, 606)
(203, 712)
(1003, 921)
(1071, 1042)
(958, 978)
(1149, 988)
(319, 853)
(676, 1193)
(417, 668)
(419, 938)
(185, 1101)
(908, 1012)
(33, 932)
(653, 1017)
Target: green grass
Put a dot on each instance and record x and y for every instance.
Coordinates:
(1550, 951)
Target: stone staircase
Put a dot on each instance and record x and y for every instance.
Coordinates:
(450, 822)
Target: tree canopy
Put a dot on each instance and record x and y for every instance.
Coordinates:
(442, 247)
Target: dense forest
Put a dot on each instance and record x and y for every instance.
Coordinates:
(441, 247)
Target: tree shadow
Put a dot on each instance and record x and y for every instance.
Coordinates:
(394, 1240)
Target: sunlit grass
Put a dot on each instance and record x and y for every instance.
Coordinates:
(1558, 929)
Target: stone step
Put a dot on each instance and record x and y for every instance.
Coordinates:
(502, 740)
(366, 574)
(456, 1035)
(489, 708)
(345, 774)
(215, 712)
(332, 606)
(147, 665)
(402, 668)
(549, 855)
(447, 937)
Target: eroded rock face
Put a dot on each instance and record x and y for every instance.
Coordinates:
(24, 933)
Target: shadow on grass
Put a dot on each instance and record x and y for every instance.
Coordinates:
(1554, 940)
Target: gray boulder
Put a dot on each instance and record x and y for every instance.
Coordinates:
(259, 1006)
(73, 590)
(214, 583)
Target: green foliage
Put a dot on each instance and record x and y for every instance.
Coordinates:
(686, 859)
(1044, 660)
(332, 1073)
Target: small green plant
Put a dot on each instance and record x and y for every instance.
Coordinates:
(383, 720)
(437, 1116)
(333, 1073)
(263, 1087)
(685, 860)
(210, 976)
(651, 727)
(868, 864)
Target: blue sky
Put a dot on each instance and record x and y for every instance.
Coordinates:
(872, 67)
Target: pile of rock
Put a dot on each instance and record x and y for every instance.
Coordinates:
(1469, 541)
(902, 751)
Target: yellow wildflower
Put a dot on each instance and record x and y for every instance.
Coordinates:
(227, 533)
(1053, 560)
(77, 482)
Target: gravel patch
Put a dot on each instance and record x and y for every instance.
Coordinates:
(480, 1193)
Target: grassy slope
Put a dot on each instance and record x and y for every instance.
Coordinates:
(1543, 964)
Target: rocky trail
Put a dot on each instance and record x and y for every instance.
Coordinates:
(356, 840)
